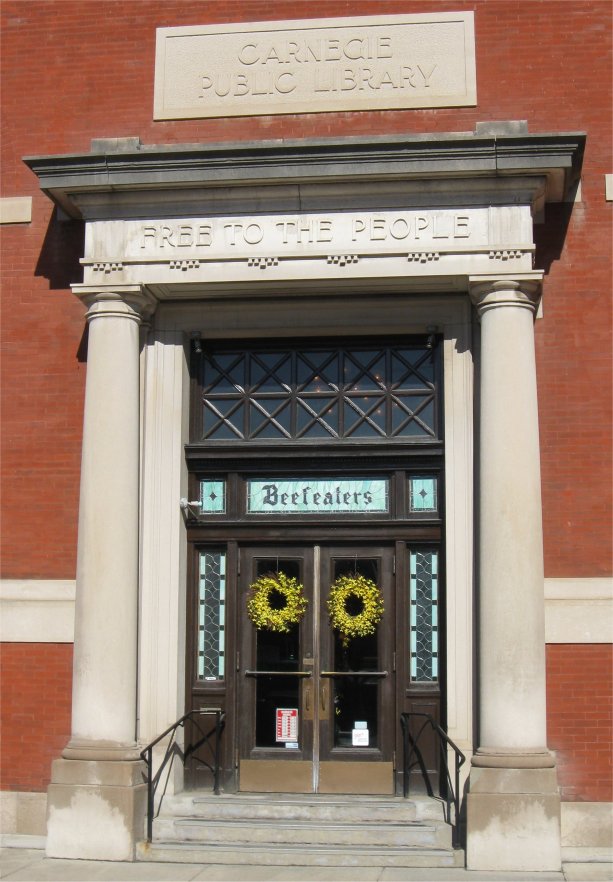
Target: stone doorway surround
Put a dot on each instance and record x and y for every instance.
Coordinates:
(295, 238)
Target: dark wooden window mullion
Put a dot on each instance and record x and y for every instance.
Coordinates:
(294, 395)
(246, 397)
(321, 406)
(341, 393)
(430, 399)
(388, 393)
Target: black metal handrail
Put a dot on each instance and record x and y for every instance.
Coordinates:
(410, 745)
(173, 749)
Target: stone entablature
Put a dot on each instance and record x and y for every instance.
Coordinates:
(441, 242)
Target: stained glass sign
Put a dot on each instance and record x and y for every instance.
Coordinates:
(316, 496)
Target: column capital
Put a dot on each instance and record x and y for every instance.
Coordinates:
(116, 301)
(519, 290)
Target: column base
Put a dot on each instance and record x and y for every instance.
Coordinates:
(96, 809)
(513, 813)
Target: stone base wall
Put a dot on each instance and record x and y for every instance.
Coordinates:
(23, 814)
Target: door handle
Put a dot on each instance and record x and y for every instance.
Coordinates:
(307, 695)
(323, 697)
(353, 673)
(278, 673)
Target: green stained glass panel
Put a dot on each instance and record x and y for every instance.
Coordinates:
(423, 494)
(213, 497)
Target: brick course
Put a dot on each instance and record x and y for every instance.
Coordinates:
(580, 719)
(36, 688)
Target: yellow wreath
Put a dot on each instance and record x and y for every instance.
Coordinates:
(363, 623)
(293, 607)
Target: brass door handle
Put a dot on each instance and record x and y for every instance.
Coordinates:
(353, 673)
(278, 673)
(307, 697)
(323, 697)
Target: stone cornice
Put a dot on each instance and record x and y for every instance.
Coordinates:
(555, 158)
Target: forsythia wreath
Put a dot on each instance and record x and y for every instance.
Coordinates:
(287, 611)
(362, 623)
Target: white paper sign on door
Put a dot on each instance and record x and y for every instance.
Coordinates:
(359, 737)
(287, 724)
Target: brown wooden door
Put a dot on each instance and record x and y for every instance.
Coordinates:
(315, 715)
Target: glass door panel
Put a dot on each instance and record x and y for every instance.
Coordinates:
(356, 738)
(275, 734)
(277, 652)
(312, 704)
(355, 696)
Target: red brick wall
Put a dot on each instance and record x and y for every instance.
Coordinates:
(75, 70)
(36, 679)
(36, 686)
(580, 719)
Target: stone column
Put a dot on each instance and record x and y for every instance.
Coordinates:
(513, 804)
(96, 798)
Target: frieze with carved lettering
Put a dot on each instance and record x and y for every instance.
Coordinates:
(439, 241)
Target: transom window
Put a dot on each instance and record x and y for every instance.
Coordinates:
(319, 393)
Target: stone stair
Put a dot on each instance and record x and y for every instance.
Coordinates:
(304, 830)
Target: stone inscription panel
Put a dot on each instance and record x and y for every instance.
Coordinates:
(312, 66)
(224, 249)
(227, 238)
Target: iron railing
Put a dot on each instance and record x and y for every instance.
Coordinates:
(173, 749)
(413, 757)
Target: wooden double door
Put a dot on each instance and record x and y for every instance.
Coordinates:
(316, 714)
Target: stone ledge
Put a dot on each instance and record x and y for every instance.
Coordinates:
(579, 610)
(587, 825)
(16, 210)
(22, 840)
(23, 813)
(37, 610)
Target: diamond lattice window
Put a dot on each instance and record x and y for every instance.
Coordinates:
(423, 615)
(211, 615)
(319, 394)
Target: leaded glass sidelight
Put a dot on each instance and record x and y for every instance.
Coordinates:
(211, 615)
(319, 394)
(423, 595)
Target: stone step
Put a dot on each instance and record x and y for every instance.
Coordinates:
(258, 855)
(307, 833)
(302, 808)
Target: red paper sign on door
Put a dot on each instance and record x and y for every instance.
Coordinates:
(287, 724)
